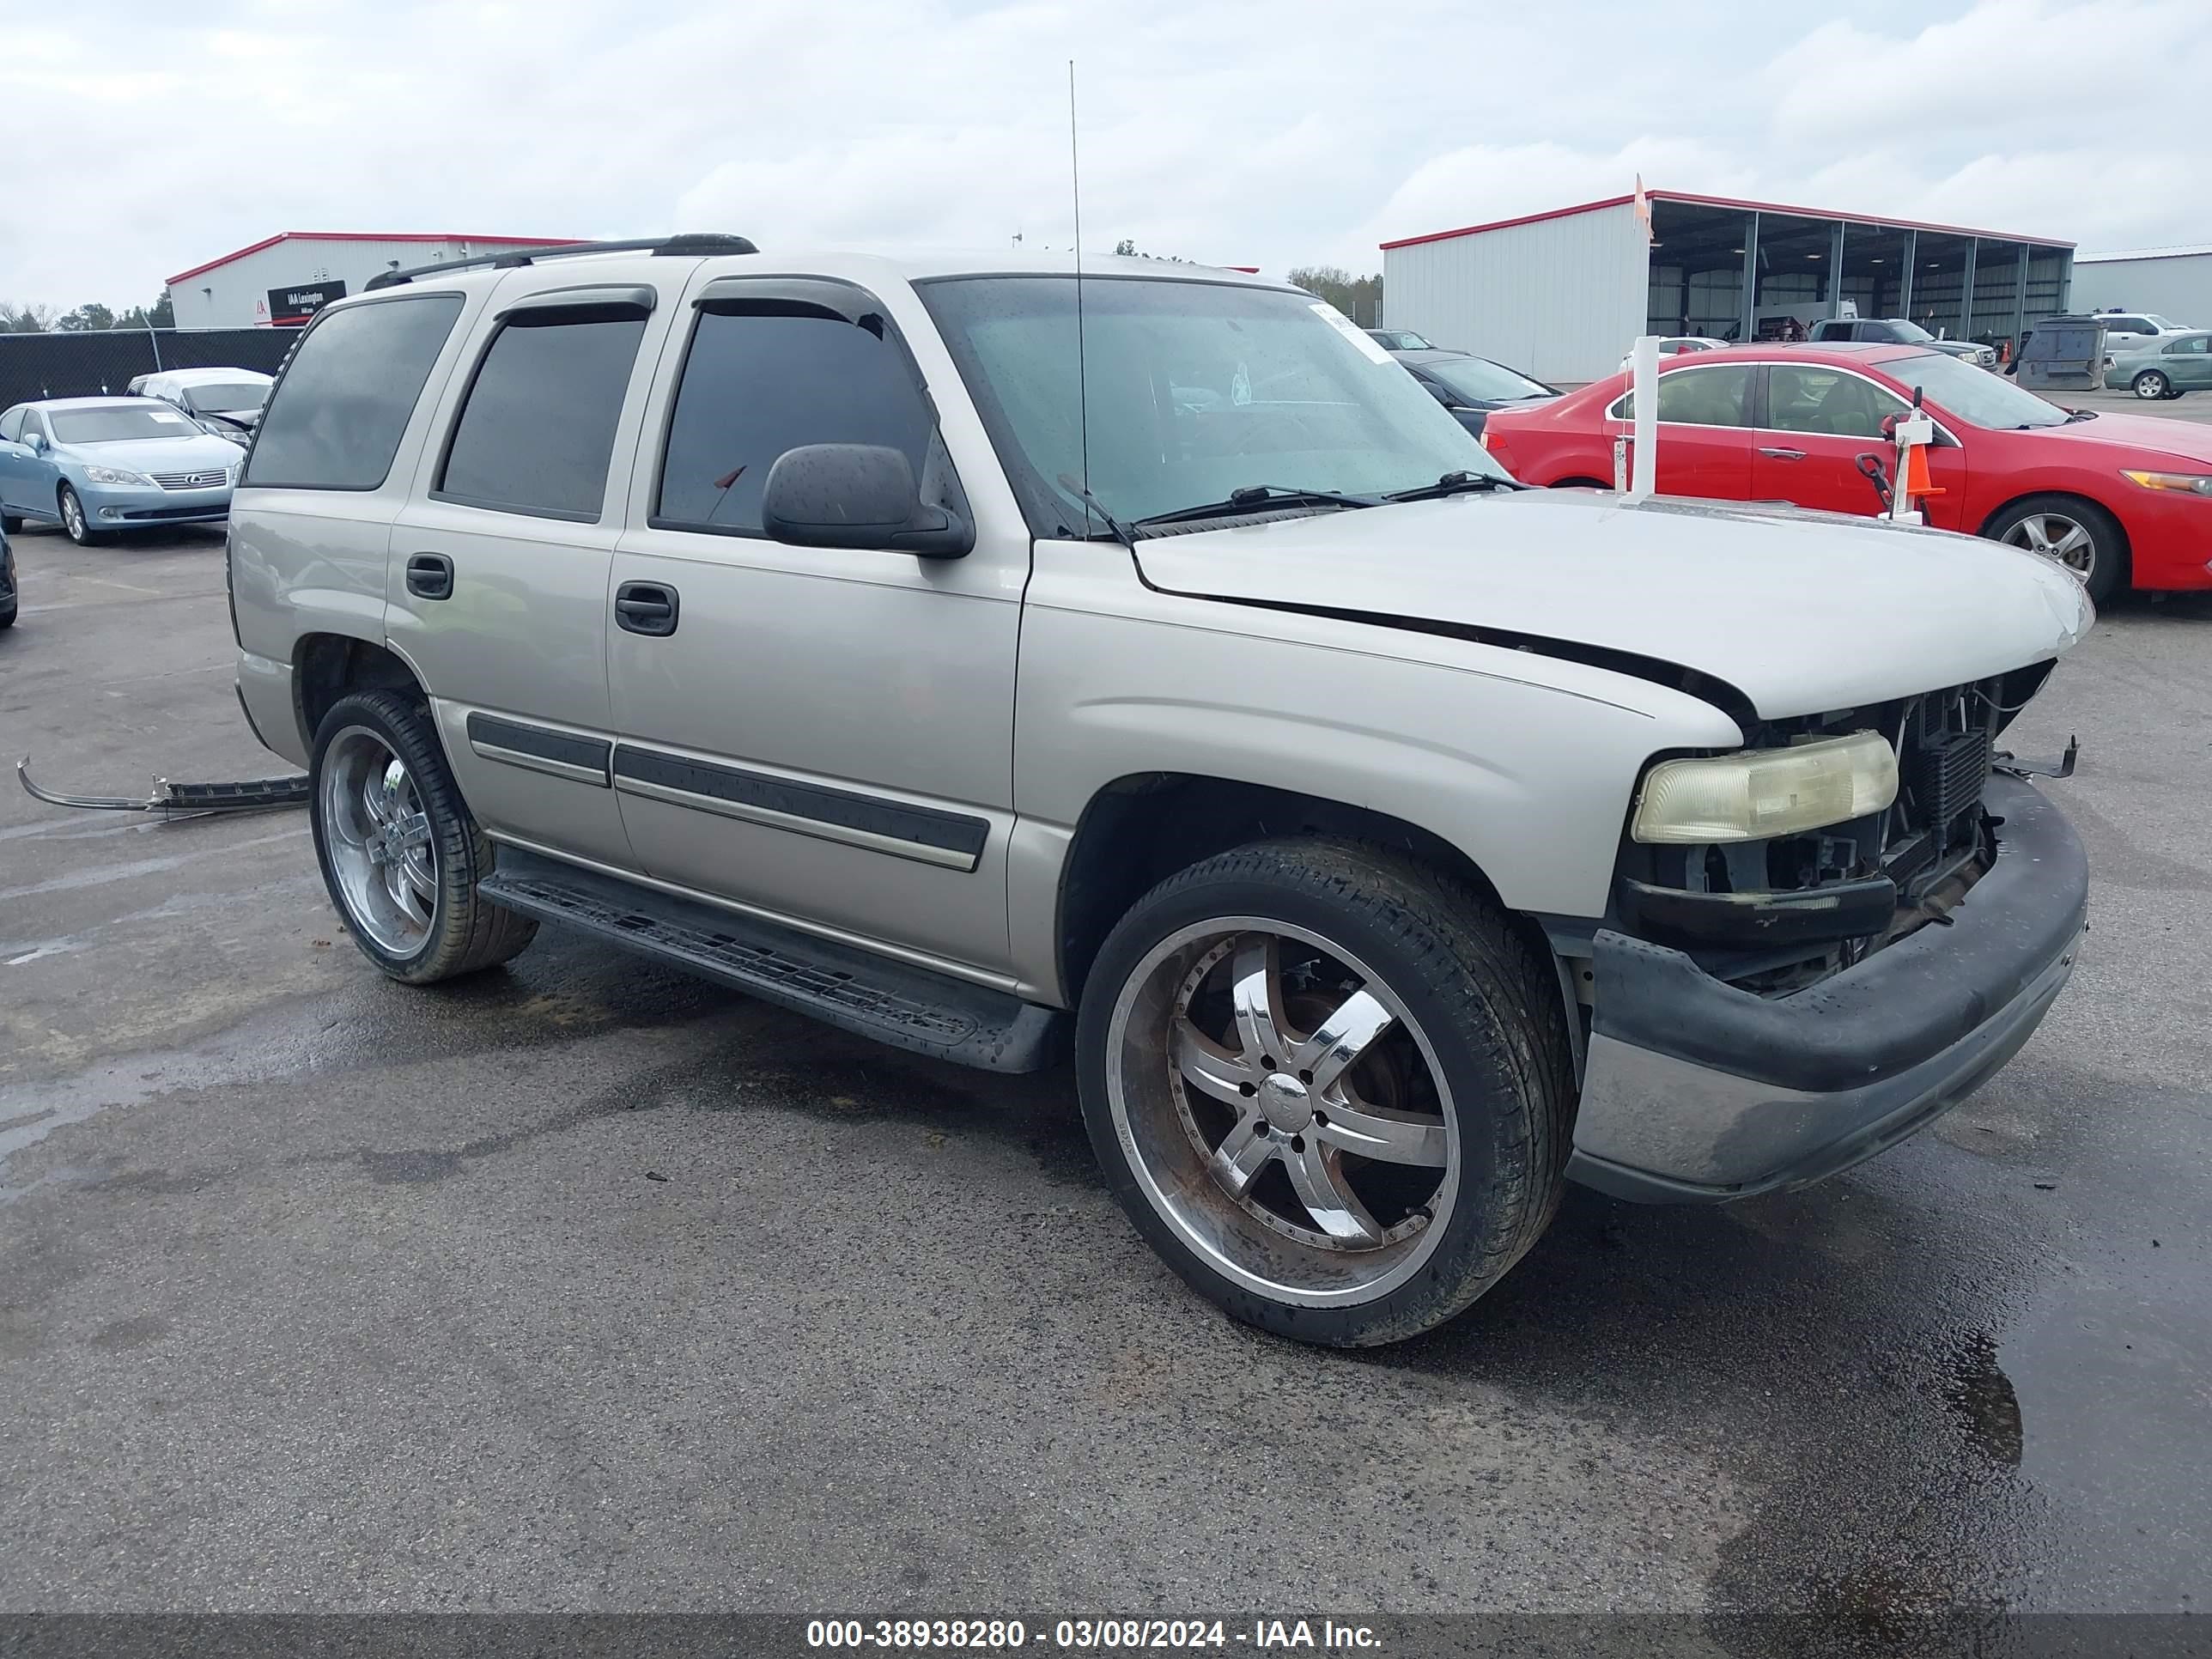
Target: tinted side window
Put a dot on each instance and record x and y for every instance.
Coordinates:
(1811, 398)
(538, 425)
(756, 384)
(2195, 343)
(1719, 396)
(339, 411)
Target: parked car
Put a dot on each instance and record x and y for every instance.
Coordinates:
(1674, 345)
(2162, 365)
(2117, 498)
(2126, 331)
(1399, 339)
(1897, 330)
(226, 402)
(8, 599)
(97, 465)
(1386, 842)
(1472, 386)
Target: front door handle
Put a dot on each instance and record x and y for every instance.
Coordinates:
(1773, 455)
(648, 608)
(430, 575)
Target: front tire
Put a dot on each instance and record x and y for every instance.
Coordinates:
(10, 523)
(2078, 535)
(400, 852)
(73, 523)
(2151, 386)
(1331, 1087)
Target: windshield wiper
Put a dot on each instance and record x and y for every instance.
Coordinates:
(1454, 484)
(2074, 415)
(1121, 532)
(1255, 498)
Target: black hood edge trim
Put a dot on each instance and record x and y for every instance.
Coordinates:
(1730, 700)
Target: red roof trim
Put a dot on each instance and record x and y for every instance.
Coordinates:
(1507, 224)
(372, 236)
(1732, 202)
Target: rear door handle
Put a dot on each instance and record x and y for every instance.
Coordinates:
(430, 575)
(648, 608)
(1782, 454)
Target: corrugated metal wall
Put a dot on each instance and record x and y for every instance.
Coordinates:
(2179, 285)
(1560, 299)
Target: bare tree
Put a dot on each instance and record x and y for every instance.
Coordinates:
(25, 319)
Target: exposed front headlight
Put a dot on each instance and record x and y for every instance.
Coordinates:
(1760, 792)
(2188, 483)
(116, 474)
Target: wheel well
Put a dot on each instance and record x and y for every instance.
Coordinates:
(2118, 529)
(328, 666)
(1139, 830)
(1577, 484)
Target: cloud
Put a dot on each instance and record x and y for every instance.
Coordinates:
(1222, 129)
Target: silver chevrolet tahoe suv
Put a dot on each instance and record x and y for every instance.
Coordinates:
(1140, 666)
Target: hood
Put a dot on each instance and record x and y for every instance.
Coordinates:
(1956, 348)
(1802, 612)
(195, 452)
(2189, 441)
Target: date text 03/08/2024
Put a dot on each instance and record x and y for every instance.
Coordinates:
(1104, 1635)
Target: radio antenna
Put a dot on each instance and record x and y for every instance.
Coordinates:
(1082, 372)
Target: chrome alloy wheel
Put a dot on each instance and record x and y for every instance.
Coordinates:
(2066, 541)
(1282, 1112)
(380, 842)
(73, 516)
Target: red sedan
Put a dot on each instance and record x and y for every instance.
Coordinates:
(2120, 499)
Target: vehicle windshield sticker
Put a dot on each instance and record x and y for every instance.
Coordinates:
(1351, 330)
(1240, 388)
(163, 417)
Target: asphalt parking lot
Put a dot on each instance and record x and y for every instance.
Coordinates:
(584, 1285)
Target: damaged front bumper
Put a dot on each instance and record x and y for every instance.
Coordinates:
(1694, 1090)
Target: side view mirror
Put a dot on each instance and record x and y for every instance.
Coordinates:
(35, 442)
(858, 495)
(1889, 428)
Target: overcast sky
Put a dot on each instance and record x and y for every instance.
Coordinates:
(149, 136)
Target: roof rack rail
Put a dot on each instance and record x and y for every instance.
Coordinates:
(693, 245)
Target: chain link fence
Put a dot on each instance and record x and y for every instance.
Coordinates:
(90, 365)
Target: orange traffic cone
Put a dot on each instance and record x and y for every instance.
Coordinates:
(1917, 484)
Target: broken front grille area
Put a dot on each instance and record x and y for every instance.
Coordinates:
(1930, 845)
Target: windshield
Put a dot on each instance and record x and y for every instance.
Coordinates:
(1483, 381)
(1194, 390)
(229, 395)
(2164, 326)
(1399, 339)
(118, 423)
(1974, 395)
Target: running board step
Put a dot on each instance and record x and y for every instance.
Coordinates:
(893, 1002)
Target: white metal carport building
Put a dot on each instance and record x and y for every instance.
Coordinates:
(285, 278)
(1561, 294)
(2175, 282)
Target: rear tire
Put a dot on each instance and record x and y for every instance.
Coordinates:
(2152, 386)
(1455, 1071)
(10, 523)
(400, 852)
(2078, 535)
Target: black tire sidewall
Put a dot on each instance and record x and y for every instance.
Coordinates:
(1475, 1082)
(404, 725)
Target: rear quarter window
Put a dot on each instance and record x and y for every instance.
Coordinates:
(344, 401)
